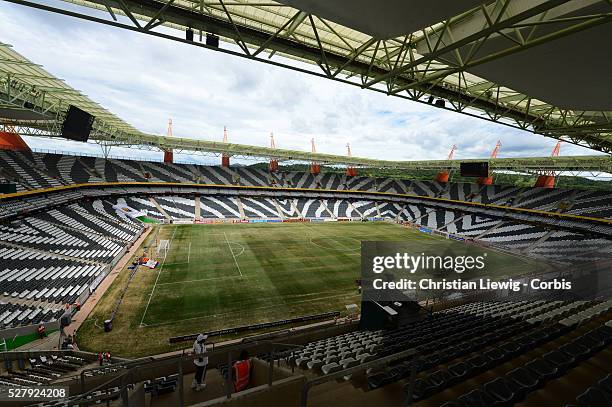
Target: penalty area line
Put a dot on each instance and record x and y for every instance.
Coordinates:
(233, 255)
(157, 279)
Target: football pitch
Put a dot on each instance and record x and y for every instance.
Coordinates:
(218, 276)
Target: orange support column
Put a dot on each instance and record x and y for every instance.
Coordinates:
(485, 180)
(168, 154)
(273, 166)
(350, 170)
(545, 181)
(315, 168)
(442, 176)
(12, 141)
(225, 159)
(489, 180)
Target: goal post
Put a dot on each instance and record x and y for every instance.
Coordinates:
(162, 248)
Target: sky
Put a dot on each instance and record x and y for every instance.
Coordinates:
(146, 80)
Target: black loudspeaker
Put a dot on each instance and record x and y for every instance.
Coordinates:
(212, 40)
(189, 35)
(440, 103)
(475, 169)
(7, 188)
(77, 125)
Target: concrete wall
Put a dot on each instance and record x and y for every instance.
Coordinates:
(284, 392)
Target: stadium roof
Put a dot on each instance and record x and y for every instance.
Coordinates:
(538, 65)
(34, 101)
(32, 96)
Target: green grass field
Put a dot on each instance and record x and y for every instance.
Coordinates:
(225, 275)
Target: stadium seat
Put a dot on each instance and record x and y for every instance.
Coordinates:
(561, 360)
(377, 380)
(477, 398)
(495, 355)
(315, 364)
(606, 384)
(504, 391)
(593, 397)
(423, 388)
(478, 362)
(575, 350)
(440, 378)
(459, 371)
(348, 362)
(524, 378)
(331, 368)
(543, 369)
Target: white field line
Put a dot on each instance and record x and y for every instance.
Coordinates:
(157, 279)
(189, 253)
(174, 321)
(201, 279)
(241, 247)
(231, 251)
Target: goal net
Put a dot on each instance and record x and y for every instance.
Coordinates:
(163, 247)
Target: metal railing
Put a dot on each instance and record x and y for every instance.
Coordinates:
(129, 373)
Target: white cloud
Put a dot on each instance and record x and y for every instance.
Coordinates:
(145, 80)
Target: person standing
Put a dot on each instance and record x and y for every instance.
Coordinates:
(242, 371)
(42, 331)
(201, 362)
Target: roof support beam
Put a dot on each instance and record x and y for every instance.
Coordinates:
(395, 61)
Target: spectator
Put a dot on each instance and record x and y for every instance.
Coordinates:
(241, 371)
(41, 331)
(201, 362)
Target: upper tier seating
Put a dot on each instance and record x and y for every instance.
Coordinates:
(33, 170)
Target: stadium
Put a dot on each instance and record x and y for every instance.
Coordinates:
(259, 276)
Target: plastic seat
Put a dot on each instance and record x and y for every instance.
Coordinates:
(543, 369)
(524, 378)
(366, 357)
(330, 368)
(377, 380)
(440, 378)
(315, 364)
(477, 398)
(478, 362)
(496, 355)
(592, 344)
(596, 340)
(423, 388)
(460, 370)
(504, 391)
(430, 361)
(349, 362)
(511, 349)
(593, 397)
(606, 384)
(575, 350)
(560, 359)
